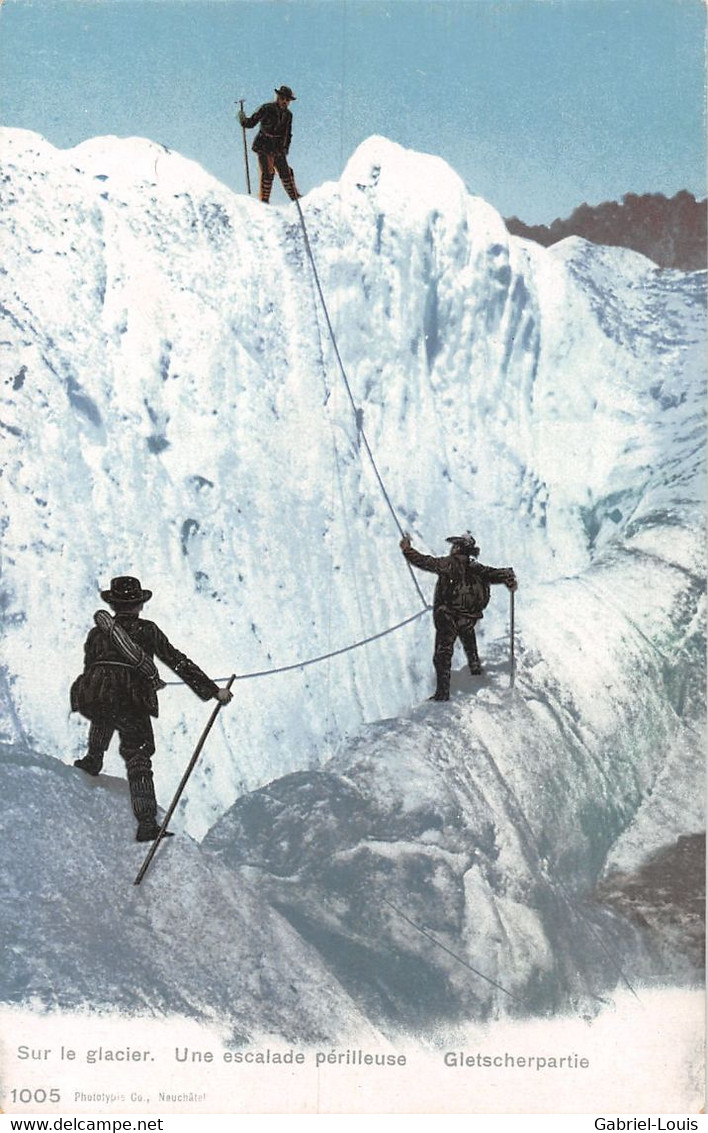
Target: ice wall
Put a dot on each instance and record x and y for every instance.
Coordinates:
(173, 409)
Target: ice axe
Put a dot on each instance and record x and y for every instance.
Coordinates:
(190, 768)
(245, 151)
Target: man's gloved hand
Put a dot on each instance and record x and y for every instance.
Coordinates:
(510, 581)
(405, 543)
(224, 695)
(242, 117)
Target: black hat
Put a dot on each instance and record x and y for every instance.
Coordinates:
(125, 591)
(465, 543)
(285, 92)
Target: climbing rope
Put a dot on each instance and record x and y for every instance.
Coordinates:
(429, 936)
(323, 656)
(355, 408)
(357, 416)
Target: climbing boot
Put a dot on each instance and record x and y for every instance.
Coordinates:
(148, 831)
(442, 692)
(91, 763)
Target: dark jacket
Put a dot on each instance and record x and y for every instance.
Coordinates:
(276, 124)
(463, 584)
(110, 685)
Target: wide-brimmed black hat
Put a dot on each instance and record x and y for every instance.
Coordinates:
(466, 543)
(125, 591)
(285, 92)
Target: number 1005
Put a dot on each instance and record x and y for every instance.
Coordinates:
(39, 1097)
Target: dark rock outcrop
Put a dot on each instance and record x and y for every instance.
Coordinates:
(666, 895)
(669, 231)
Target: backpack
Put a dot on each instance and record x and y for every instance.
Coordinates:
(467, 591)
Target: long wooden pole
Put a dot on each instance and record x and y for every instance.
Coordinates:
(166, 820)
(245, 152)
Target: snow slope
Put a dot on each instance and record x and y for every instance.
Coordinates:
(172, 408)
(78, 933)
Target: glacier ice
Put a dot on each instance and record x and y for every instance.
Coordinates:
(172, 409)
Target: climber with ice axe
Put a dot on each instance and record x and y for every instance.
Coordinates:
(273, 142)
(461, 595)
(117, 692)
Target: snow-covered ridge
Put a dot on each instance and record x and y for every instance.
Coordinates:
(173, 409)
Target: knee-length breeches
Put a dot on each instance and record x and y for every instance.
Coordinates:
(268, 164)
(448, 627)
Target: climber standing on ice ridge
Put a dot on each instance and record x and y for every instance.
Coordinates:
(461, 594)
(273, 142)
(117, 692)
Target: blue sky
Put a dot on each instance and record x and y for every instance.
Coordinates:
(538, 104)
